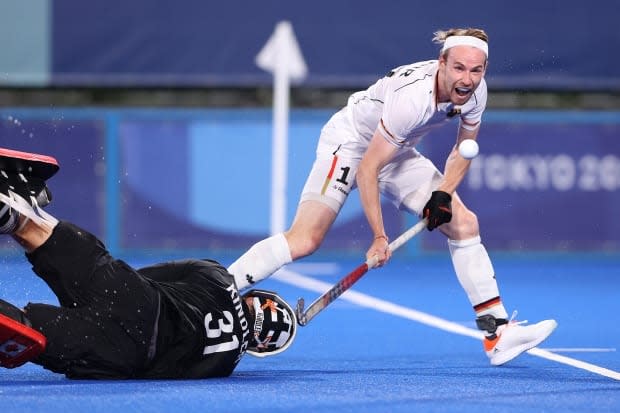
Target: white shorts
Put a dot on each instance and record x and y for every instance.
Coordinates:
(407, 180)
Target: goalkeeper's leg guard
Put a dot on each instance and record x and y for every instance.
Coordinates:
(19, 342)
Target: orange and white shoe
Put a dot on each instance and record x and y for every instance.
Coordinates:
(514, 338)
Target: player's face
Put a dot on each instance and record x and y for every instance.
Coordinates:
(460, 74)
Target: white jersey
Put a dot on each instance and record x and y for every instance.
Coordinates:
(403, 106)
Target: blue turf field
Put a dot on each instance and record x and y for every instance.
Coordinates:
(399, 343)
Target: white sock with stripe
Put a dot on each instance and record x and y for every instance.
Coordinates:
(475, 273)
(260, 261)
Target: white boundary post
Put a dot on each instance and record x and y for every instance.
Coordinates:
(282, 57)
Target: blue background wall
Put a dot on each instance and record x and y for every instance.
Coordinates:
(554, 44)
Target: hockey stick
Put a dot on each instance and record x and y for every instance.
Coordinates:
(304, 317)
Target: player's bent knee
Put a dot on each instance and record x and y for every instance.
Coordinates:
(303, 244)
(468, 225)
(464, 225)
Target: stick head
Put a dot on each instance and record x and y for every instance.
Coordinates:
(299, 311)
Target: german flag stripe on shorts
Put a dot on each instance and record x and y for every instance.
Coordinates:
(329, 176)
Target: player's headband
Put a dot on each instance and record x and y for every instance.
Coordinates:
(465, 41)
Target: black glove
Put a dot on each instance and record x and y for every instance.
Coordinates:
(438, 209)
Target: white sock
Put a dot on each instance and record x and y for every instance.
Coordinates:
(260, 261)
(475, 273)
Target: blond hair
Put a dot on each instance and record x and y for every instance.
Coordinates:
(440, 36)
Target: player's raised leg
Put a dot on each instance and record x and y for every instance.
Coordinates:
(311, 223)
(322, 197)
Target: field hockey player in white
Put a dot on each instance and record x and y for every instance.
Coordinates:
(371, 144)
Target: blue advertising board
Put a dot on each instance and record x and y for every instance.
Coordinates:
(200, 179)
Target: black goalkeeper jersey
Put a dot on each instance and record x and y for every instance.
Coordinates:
(181, 319)
(203, 325)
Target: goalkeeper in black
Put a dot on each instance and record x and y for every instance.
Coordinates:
(182, 319)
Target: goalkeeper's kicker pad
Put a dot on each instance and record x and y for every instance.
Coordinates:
(28, 164)
(25, 173)
(18, 343)
(275, 324)
(22, 183)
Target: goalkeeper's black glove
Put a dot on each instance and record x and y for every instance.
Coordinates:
(438, 209)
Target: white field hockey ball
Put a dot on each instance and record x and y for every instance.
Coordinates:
(468, 148)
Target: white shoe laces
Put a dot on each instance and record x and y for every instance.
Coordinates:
(512, 320)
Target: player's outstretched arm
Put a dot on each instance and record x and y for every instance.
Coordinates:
(378, 154)
(456, 166)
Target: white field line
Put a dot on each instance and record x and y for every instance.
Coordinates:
(363, 300)
(580, 349)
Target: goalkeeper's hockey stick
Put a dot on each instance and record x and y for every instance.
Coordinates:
(304, 317)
